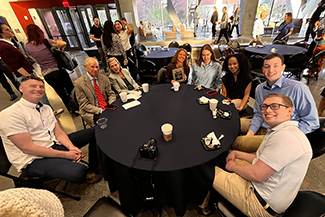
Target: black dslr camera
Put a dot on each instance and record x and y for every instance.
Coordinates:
(149, 150)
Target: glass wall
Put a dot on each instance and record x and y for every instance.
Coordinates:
(163, 14)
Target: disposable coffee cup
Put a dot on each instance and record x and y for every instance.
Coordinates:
(254, 44)
(145, 53)
(124, 96)
(213, 104)
(272, 50)
(176, 86)
(167, 130)
(145, 87)
(102, 123)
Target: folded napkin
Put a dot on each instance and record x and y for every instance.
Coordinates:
(211, 142)
(132, 104)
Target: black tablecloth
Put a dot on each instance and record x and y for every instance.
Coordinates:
(161, 58)
(285, 50)
(184, 170)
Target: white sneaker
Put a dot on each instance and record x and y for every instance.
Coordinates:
(59, 111)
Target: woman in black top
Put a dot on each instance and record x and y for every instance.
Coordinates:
(237, 82)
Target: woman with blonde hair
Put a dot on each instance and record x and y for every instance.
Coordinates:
(120, 78)
(285, 28)
(179, 61)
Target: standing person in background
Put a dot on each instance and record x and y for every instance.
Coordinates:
(196, 19)
(15, 61)
(313, 19)
(112, 44)
(224, 25)
(3, 80)
(258, 29)
(235, 22)
(59, 79)
(285, 28)
(214, 21)
(125, 35)
(96, 32)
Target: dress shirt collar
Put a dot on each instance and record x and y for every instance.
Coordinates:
(9, 42)
(278, 83)
(30, 104)
(210, 64)
(282, 125)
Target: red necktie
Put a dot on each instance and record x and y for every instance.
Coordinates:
(100, 98)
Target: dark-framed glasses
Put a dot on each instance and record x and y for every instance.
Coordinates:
(273, 106)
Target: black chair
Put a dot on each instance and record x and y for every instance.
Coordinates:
(306, 204)
(161, 75)
(188, 49)
(294, 65)
(235, 46)
(106, 206)
(312, 66)
(23, 180)
(173, 44)
(317, 139)
(279, 42)
(256, 62)
(147, 70)
(301, 44)
(142, 47)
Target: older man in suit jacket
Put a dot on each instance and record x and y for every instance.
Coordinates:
(93, 92)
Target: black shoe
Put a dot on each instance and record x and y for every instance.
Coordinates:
(239, 35)
(13, 96)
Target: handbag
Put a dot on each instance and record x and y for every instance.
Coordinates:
(64, 59)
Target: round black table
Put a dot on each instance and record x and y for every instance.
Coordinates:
(284, 50)
(184, 171)
(160, 57)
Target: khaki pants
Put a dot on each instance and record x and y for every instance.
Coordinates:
(248, 143)
(239, 192)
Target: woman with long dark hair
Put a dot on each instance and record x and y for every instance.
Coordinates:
(179, 60)
(237, 82)
(59, 79)
(207, 70)
(285, 28)
(112, 44)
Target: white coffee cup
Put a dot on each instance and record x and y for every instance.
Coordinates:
(145, 53)
(176, 86)
(254, 44)
(124, 96)
(272, 50)
(145, 87)
(167, 130)
(213, 104)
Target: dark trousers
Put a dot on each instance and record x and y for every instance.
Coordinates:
(61, 168)
(310, 31)
(102, 57)
(132, 67)
(213, 29)
(5, 71)
(62, 84)
(232, 29)
(223, 32)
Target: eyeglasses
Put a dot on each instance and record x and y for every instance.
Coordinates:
(273, 106)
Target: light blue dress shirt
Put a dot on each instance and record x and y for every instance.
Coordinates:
(209, 76)
(304, 106)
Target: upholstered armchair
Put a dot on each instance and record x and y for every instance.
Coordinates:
(186, 34)
(171, 35)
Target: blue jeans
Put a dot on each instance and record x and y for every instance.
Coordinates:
(61, 168)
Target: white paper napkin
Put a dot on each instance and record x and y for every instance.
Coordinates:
(131, 104)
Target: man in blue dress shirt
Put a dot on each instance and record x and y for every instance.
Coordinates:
(305, 111)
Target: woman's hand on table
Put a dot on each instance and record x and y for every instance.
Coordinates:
(185, 76)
